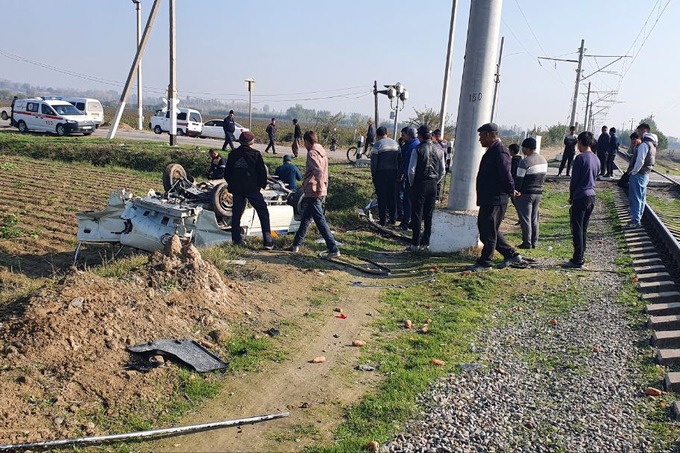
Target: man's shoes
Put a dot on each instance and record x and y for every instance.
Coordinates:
(330, 254)
(533, 246)
(572, 265)
(425, 248)
(478, 268)
(524, 245)
(633, 225)
(268, 246)
(294, 248)
(412, 248)
(517, 259)
(518, 223)
(403, 226)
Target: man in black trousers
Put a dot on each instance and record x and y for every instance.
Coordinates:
(229, 127)
(495, 186)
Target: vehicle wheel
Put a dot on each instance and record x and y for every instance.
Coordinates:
(295, 200)
(180, 132)
(61, 131)
(22, 127)
(172, 174)
(157, 130)
(222, 201)
(5, 116)
(352, 154)
(87, 133)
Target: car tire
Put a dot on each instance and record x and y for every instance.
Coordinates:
(171, 174)
(22, 127)
(180, 132)
(157, 130)
(222, 201)
(87, 133)
(295, 200)
(5, 116)
(60, 130)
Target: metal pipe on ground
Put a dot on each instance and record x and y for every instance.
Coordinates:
(164, 432)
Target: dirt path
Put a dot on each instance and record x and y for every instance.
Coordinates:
(314, 394)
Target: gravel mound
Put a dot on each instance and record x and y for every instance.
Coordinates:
(567, 385)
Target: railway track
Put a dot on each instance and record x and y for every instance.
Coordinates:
(655, 251)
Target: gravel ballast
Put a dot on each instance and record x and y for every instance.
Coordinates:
(573, 384)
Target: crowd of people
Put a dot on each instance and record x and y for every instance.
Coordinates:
(407, 175)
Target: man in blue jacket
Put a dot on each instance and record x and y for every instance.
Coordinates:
(288, 173)
(495, 186)
(229, 127)
(410, 142)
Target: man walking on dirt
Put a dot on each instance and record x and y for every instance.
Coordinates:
(271, 134)
(494, 187)
(246, 174)
(229, 127)
(370, 135)
(315, 186)
(297, 137)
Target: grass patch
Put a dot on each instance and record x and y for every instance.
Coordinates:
(120, 268)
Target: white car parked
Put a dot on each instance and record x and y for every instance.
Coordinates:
(214, 129)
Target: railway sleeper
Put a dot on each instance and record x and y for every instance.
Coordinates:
(653, 277)
(668, 357)
(666, 338)
(660, 297)
(666, 322)
(661, 286)
(663, 309)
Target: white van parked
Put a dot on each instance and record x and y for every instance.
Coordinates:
(189, 122)
(90, 107)
(48, 114)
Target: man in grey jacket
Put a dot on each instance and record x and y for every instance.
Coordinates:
(639, 167)
(425, 171)
(385, 165)
(529, 183)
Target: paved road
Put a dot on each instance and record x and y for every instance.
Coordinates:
(132, 134)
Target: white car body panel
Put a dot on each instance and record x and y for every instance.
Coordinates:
(213, 129)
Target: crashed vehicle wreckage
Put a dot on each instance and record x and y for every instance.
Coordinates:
(199, 213)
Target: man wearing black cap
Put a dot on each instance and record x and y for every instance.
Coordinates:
(404, 205)
(529, 183)
(246, 175)
(229, 127)
(425, 171)
(494, 187)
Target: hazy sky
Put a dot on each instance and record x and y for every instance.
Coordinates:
(326, 54)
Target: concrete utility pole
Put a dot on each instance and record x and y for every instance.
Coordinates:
(447, 70)
(497, 81)
(475, 102)
(578, 82)
(375, 96)
(250, 86)
(133, 69)
(172, 89)
(140, 115)
(585, 117)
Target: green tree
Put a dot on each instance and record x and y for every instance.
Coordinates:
(663, 140)
(432, 119)
(326, 126)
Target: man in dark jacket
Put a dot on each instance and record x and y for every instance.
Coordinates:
(425, 171)
(217, 165)
(612, 149)
(529, 181)
(385, 165)
(370, 135)
(404, 210)
(271, 135)
(288, 173)
(297, 137)
(229, 127)
(602, 149)
(569, 150)
(246, 174)
(494, 188)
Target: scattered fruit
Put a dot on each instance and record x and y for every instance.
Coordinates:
(596, 350)
(424, 329)
(437, 362)
(429, 321)
(372, 446)
(358, 343)
(466, 273)
(651, 391)
(553, 322)
(408, 324)
(337, 309)
(319, 359)
(341, 316)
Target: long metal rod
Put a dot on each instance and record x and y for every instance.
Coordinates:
(172, 89)
(133, 69)
(447, 70)
(140, 114)
(586, 118)
(143, 434)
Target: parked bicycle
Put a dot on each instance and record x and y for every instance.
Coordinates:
(354, 153)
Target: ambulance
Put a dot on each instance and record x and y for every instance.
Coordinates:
(47, 114)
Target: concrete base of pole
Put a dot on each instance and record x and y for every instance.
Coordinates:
(453, 231)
